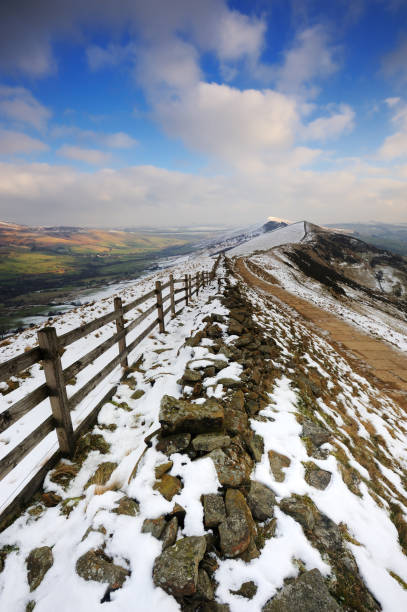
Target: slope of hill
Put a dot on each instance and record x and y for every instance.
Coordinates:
(281, 235)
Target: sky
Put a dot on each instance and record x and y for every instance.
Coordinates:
(130, 113)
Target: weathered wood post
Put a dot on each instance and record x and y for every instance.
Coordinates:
(186, 289)
(54, 377)
(190, 286)
(197, 282)
(172, 295)
(118, 306)
(160, 311)
(219, 284)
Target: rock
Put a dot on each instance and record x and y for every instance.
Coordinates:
(169, 535)
(230, 383)
(127, 506)
(204, 588)
(233, 465)
(177, 416)
(88, 443)
(236, 422)
(214, 331)
(255, 445)
(267, 349)
(220, 364)
(235, 328)
(318, 435)
(277, 463)
(38, 562)
(168, 486)
(214, 606)
(137, 394)
(237, 400)
(301, 509)
(50, 500)
(102, 474)
(176, 569)
(191, 376)
(261, 501)
(194, 340)
(179, 512)
(95, 565)
(154, 526)
(174, 444)
(214, 510)
(317, 477)
(208, 442)
(244, 340)
(308, 593)
(162, 469)
(237, 531)
(248, 590)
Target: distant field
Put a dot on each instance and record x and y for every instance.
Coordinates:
(39, 266)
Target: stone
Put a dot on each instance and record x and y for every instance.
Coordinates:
(169, 535)
(154, 526)
(95, 565)
(237, 400)
(220, 364)
(102, 474)
(214, 331)
(179, 416)
(127, 506)
(214, 606)
(208, 442)
(308, 593)
(266, 349)
(168, 486)
(244, 340)
(88, 443)
(261, 501)
(233, 465)
(39, 561)
(195, 339)
(137, 394)
(214, 510)
(316, 477)
(174, 444)
(204, 587)
(237, 531)
(277, 463)
(248, 590)
(255, 445)
(230, 383)
(235, 328)
(318, 435)
(162, 469)
(236, 422)
(301, 509)
(191, 376)
(176, 569)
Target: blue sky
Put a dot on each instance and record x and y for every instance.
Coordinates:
(183, 112)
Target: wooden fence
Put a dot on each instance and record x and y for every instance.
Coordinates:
(48, 352)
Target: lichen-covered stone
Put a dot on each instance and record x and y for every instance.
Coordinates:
(204, 587)
(237, 400)
(301, 510)
(168, 486)
(316, 477)
(237, 531)
(176, 569)
(255, 445)
(233, 465)
(214, 510)
(88, 443)
(154, 526)
(277, 463)
(102, 474)
(179, 416)
(162, 469)
(308, 593)
(248, 590)
(174, 444)
(191, 376)
(95, 565)
(39, 562)
(208, 442)
(236, 422)
(318, 435)
(127, 506)
(261, 501)
(169, 535)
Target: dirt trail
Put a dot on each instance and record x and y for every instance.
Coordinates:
(388, 365)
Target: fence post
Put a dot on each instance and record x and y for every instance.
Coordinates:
(160, 310)
(197, 282)
(172, 298)
(186, 290)
(190, 286)
(118, 306)
(54, 377)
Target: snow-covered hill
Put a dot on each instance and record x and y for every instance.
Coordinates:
(285, 235)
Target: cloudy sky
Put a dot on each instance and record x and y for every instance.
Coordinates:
(132, 112)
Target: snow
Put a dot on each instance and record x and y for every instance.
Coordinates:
(289, 234)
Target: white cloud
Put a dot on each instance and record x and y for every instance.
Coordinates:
(113, 140)
(18, 104)
(113, 55)
(395, 145)
(392, 101)
(310, 57)
(394, 64)
(16, 142)
(89, 156)
(324, 128)
(238, 35)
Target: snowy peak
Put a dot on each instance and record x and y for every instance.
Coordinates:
(286, 234)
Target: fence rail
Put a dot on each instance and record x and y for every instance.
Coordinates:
(48, 353)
